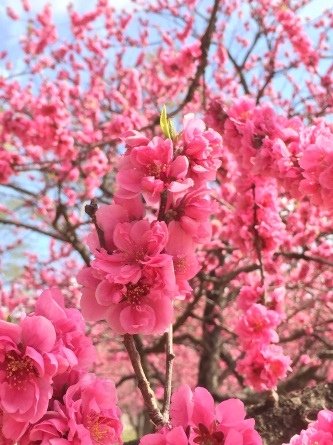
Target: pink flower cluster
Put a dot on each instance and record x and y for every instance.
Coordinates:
(196, 420)
(268, 145)
(316, 162)
(180, 63)
(7, 161)
(145, 255)
(264, 363)
(46, 394)
(263, 143)
(292, 26)
(319, 432)
(257, 214)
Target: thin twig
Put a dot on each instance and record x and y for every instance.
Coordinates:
(33, 228)
(303, 256)
(148, 395)
(168, 376)
(257, 239)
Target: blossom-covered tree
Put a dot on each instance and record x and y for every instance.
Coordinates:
(167, 168)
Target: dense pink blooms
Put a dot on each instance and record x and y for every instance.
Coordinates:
(133, 286)
(45, 394)
(7, 161)
(319, 432)
(204, 423)
(180, 63)
(52, 428)
(249, 295)
(258, 325)
(191, 213)
(250, 202)
(143, 306)
(317, 165)
(300, 41)
(142, 265)
(73, 349)
(263, 368)
(26, 370)
(165, 436)
(203, 149)
(93, 415)
(150, 169)
(88, 414)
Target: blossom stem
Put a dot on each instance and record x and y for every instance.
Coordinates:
(148, 394)
(168, 378)
(257, 239)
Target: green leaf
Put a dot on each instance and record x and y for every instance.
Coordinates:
(166, 124)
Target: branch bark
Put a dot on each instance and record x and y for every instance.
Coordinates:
(168, 376)
(143, 383)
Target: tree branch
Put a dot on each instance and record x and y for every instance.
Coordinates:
(303, 256)
(33, 228)
(143, 383)
(168, 376)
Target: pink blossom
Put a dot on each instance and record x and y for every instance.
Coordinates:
(107, 217)
(132, 287)
(166, 437)
(248, 295)
(292, 25)
(181, 63)
(11, 13)
(151, 169)
(136, 307)
(191, 213)
(73, 349)
(202, 147)
(185, 261)
(319, 432)
(263, 368)
(257, 325)
(26, 371)
(52, 428)
(94, 417)
(204, 423)
(224, 423)
(317, 164)
(7, 161)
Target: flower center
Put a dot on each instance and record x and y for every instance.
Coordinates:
(99, 428)
(207, 437)
(19, 369)
(180, 264)
(156, 169)
(135, 292)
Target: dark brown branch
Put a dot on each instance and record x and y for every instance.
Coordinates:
(91, 210)
(205, 45)
(125, 379)
(19, 189)
(251, 48)
(240, 73)
(303, 256)
(206, 41)
(33, 228)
